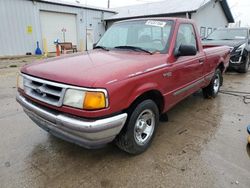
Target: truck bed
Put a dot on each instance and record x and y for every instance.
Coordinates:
(214, 49)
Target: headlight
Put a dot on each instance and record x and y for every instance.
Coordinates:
(88, 100)
(241, 48)
(74, 98)
(20, 82)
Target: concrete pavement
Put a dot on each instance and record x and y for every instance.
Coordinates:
(204, 144)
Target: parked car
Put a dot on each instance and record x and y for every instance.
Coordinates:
(239, 40)
(139, 70)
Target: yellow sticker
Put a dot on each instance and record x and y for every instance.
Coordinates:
(29, 29)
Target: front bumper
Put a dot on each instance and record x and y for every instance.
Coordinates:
(84, 132)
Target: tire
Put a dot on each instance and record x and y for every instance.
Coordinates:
(245, 66)
(139, 131)
(164, 117)
(212, 90)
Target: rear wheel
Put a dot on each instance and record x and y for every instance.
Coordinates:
(245, 66)
(140, 129)
(212, 90)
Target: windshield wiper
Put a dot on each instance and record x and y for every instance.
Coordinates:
(135, 48)
(101, 47)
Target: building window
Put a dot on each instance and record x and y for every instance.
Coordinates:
(203, 32)
(209, 31)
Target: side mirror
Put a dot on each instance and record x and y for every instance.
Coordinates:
(186, 50)
(94, 45)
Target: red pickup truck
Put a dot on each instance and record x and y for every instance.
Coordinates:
(118, 91)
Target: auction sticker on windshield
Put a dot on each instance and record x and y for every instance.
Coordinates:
(155, 23)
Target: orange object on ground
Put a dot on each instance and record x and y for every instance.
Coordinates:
(57, 50)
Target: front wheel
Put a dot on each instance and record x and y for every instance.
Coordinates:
(140, 128)
(245, 66)
(212, 90)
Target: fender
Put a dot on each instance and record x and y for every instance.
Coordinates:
(223, 61)
(137, 92)
(246, 52)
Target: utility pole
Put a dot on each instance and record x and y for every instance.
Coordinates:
(108, 3)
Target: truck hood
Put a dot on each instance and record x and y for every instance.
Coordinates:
(96, 68)
(231, 43)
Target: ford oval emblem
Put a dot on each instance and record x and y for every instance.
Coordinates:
(39, 91)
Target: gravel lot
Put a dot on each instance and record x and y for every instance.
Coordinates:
(204, 144)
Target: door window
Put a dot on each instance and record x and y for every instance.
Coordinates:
(186, 36)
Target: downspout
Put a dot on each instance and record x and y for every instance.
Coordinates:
(188, 15)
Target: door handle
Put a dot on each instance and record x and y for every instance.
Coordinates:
(201, 61)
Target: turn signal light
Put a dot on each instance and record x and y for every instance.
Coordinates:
(94, 101)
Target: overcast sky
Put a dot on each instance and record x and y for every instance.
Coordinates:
(240, 8)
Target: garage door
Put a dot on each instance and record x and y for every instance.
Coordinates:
(53, 24)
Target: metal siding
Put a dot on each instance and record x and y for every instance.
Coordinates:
(210, 16)
(16, 15)
(13, 33)
(94, 21)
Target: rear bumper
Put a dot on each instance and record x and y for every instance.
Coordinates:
(84, 132)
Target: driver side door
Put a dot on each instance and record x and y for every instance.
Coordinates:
(187, 70)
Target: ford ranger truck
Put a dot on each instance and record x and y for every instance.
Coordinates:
(117, 92)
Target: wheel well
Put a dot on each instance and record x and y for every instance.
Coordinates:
(154, 95)
(221, 67)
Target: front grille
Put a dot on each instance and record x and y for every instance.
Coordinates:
(45, 91)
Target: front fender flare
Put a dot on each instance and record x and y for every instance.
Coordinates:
(142, 89)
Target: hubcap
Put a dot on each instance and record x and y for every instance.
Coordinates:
(216, 83)
(144, 127)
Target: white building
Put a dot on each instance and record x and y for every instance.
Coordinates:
(208, 14)
(24, 22)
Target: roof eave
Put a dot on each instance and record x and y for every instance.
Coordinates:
(227, 11)
(151, 15)
(223, 3)
(74, 5)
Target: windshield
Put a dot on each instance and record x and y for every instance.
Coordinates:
(150, 35)
(228, 34)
